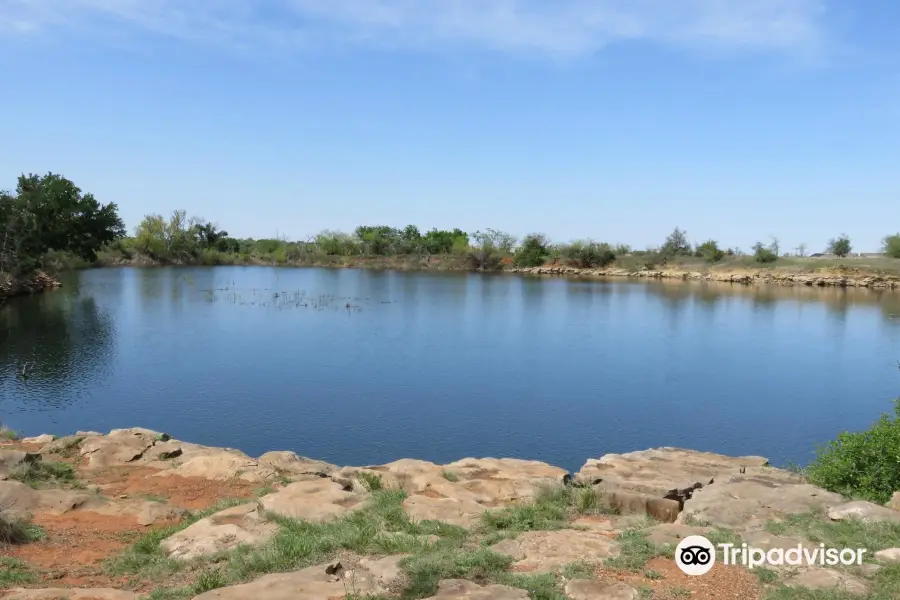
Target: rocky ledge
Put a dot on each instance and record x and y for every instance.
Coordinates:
(134, 479)
(33, 284)
(741, 277)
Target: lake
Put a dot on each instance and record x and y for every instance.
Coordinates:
(364, 367)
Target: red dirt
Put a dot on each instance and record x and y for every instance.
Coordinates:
(721, 583)
(186, 492)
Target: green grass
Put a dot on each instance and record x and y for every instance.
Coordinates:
(371, 482)
(450, 476)
(540, 586)
(14, 572)
(848, 533)
(41, 473)
(635, 551)
(651, 574)
(8, 435)
(551, 508)
(426, 569)
(884, 586)
(154, 498)
(579, 570)
(264, 491)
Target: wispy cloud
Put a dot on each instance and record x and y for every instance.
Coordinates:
(554, 27)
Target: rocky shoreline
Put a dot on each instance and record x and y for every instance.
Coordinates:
(860, 280)
(536, 519)
(11, 287)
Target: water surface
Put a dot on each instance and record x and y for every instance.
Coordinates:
(364, 367)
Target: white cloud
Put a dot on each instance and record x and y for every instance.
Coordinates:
(555, 27)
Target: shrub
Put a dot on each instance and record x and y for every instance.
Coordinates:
(587, 254)
(862, 464)
(840, 246)
(677, 243)
(892, 245)
(764, 254)
(710, 251)
(535, 248)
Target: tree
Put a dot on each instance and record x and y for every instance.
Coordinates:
(587, 254)
(710, 251)
(840, 246)
(801, 250)
(775, 246)
(764, 254)
(535, 248)
(891, 245)
(677, 243)
(50, 212)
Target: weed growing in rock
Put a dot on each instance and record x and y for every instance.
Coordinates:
(371, 482)
(635, 551)
(861, 464)
(7, 435)
(450, 476)
(550, 508)
(579, 570)
(540, 586)
(14, 530)
(848, 533)
(40, 474)
(426, 569)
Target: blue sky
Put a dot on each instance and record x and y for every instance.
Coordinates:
(610, 119)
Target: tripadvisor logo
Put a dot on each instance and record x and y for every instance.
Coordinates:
(696, 555)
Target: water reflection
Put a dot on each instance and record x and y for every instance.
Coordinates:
(60, 338)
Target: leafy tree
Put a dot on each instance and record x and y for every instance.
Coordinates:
(840, 246)
(50, 212)
(892, 245)
(764, 254)
(677, 243)
(439, 241)
(535, 248)
(710, 251)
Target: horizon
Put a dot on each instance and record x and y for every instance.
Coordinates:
(608, 120)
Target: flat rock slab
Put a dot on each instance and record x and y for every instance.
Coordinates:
(147, 512)
(19, 499)
(463, 513)
(45, 438)
(312, 583)
(547, 551)
(746, 501)
(589, 589)
(461, 589)
(120, 447)
(827, 579)
(672, 533)
(71, 594)
(224, 530)
(662, 472)
(888, 555)
(314, 500)
(293, 467)
(864, 511)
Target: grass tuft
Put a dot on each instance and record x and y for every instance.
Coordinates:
(15, 572)
(371, 482)
(635, 551)
(550, 508)
(41, 473)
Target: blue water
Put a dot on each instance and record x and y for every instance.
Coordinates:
(364, 367)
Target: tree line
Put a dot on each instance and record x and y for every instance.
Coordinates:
(49, 214)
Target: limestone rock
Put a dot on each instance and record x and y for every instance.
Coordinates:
(294, 467)
(312, 583)
(662, 472)
(45, 438)
(20, 500)
(894, 502)
(224, 530)
(864, 511)
(219, 464)
(547, 551)
(747, 500)
(63, 444)
(155, 512)
(71, 594)
(385, 571)
(314, 500)
(120, 447)
(11, 459)
(464, 513)
(460, 589)
(888, 555)
(588, 589)
(827, 579)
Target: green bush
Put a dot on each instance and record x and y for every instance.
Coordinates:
(764, 254)
(710, 251)
(840, 246)
(892, 245)
(864, 464)
(587, 254)
(535, 248)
